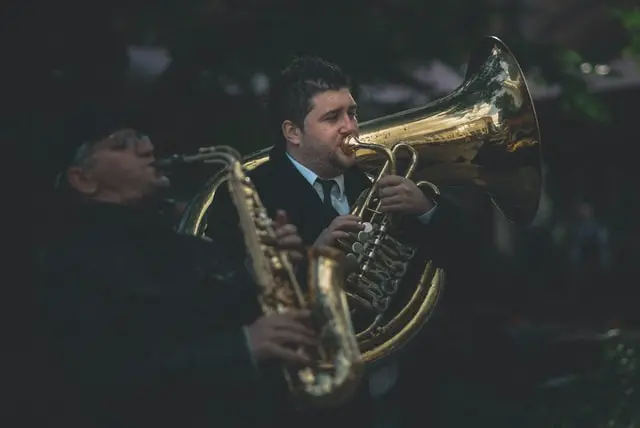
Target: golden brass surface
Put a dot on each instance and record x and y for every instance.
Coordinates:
(337, 360)
(483, 136)
(385, 265)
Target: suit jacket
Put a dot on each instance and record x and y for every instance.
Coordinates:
(141, 326)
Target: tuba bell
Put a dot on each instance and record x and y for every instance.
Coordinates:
(337, 367)
(483, 136)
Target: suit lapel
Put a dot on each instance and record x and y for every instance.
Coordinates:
(287, 189)
(298, 197)
(295, 187)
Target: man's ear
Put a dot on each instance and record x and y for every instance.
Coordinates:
(291, 132)
(80, 180)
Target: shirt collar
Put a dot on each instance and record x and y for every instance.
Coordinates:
(311, 176)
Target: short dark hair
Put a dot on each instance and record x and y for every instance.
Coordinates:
(291, 92)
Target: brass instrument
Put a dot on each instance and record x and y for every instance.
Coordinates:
(383, 262)
(339, 366)
(483, 136)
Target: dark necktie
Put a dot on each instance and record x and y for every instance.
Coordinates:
(327, 186)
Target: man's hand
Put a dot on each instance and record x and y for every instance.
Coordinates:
(401, 195)
(339, 229)
(287, 237)
(276, 337)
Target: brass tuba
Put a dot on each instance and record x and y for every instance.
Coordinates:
(483, 136)
(338, 368)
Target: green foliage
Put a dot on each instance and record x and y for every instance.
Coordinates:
(630, 20)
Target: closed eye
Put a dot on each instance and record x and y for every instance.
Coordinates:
(332, 116)
(120, 144)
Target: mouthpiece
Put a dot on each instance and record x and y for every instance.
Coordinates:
(211, 155)
(349, 145)
(168, 162)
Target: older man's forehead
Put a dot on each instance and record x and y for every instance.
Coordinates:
(115, 137)
(123, 133)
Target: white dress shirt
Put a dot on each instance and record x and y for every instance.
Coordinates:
(382, 378)
(338, 196)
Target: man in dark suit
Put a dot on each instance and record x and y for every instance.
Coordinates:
(141, 326)
(311, 110)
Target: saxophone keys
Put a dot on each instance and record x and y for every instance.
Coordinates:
(368, 227)
(351, 263)
(357, 248)
(363, 236)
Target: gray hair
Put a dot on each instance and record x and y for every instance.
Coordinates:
(80, 157)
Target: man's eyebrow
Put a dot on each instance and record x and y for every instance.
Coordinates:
(351, 107)
(332, 111)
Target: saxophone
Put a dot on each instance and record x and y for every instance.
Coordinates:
(338, 363)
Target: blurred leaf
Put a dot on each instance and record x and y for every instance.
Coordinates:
(630, 20)
(586, 105)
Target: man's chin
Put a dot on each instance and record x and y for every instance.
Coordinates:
(157, 191)
(159, 188)
(348, 161)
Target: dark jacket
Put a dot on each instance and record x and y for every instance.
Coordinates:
(142, 327)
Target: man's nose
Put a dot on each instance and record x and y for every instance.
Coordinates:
(349, 125)
(144, 146)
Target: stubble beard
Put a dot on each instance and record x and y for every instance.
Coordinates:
(341, 161)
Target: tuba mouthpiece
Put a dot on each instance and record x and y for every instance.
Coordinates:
(349, 144)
